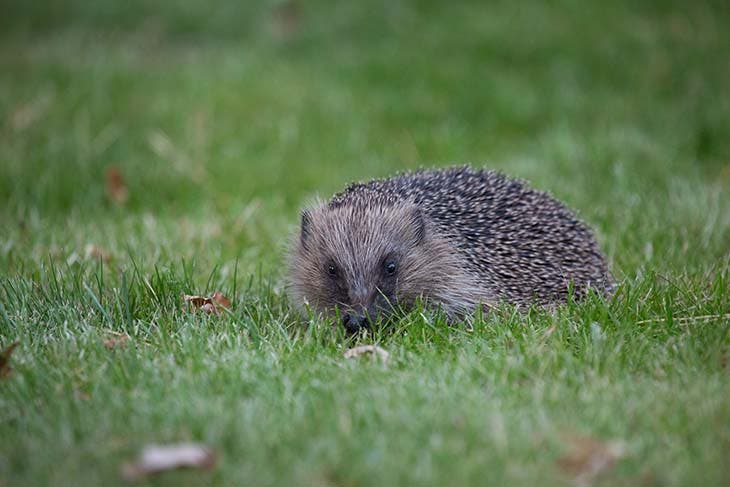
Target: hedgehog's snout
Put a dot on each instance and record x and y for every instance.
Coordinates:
(354, 322)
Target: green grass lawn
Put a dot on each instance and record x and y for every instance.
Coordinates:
(224, 119)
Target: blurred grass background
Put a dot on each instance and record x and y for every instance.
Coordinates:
(218, 106)
(225, 117)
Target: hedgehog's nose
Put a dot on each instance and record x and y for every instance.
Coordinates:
(355, 322)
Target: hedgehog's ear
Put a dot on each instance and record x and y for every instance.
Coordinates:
(306, 227)
(418, 226)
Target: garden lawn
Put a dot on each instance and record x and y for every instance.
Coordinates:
(150, 149)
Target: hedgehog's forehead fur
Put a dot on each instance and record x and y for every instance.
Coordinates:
(357, 237)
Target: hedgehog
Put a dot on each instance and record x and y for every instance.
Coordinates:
(455, 239)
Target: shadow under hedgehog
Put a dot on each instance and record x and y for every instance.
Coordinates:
(455, 238)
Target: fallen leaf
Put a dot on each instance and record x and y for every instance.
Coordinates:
(119, 341)
(196, 301)
(210, 305)
(116, 188)
(5, 368)
(372, 350)
(220, 300)
(81, 395)
(286, 18)
(95, 252)
(588, 457)
(155, 459)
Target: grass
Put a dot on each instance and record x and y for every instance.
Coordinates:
(224, 120)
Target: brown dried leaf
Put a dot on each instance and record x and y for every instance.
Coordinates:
(81, 395)
(116, 188)
(220, 300)
(286, 19)
(95, 252)
(5, 368)
(119, 341)
(155, 459)
(196, 301)
(372, 350)
(588, 457)
(210, 305)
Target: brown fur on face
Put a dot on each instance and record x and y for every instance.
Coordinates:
(344, 256)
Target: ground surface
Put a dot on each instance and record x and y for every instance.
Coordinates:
(223, 120)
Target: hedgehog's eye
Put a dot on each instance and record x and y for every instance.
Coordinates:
(390, 267)
(332, 270)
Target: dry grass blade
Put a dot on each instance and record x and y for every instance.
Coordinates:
(371, 350)
(684, 320)
(548, 333)
(155, 459)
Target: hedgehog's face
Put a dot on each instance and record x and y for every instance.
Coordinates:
(358, 260)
